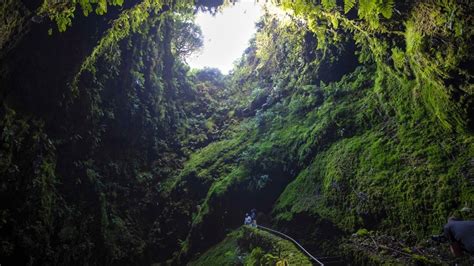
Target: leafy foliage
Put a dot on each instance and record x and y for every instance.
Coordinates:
(348, 5)
(343, 117)
(249, 246)
(119, 133)
(361, 150)
(188, 38)
(328, 4)
(27, 167)
(13, 16)
(62, 12)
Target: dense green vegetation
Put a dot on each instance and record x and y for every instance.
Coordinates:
(248, 246)
(340, 117)
(83, 153)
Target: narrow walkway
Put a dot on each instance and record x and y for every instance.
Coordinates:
(292, 240)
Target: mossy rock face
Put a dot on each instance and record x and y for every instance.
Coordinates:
(385, 147)
(227, 252)
(251, 246)
(330, 122)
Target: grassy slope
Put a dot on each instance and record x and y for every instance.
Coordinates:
(248, 246)
(407, 172)
(366, 162)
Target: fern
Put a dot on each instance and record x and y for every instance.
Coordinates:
(101, 7)
(386, 8)
(369, 11)
(348, 5)
(86, 7)
(328, 4)
(364, 8)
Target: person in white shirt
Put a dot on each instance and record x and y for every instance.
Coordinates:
(248, 219)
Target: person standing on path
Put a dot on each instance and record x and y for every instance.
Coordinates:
(253, 215)
(247, 220)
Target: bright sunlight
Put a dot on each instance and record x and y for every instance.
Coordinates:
(226, 35)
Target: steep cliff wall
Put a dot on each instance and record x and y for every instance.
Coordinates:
(341, 117)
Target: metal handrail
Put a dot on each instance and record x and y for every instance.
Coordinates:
(292, 240)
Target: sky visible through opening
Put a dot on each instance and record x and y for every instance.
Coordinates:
(226, 35)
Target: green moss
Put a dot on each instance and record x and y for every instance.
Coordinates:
(27, 166)
(387, 147)
(218, 189)
(249, 246)
(259, 257)
(255, 257)
(280, 248)
(395, 167)
(224, 253)
(362, 232)
(209, 163)
(422, 260)
(433, 63)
